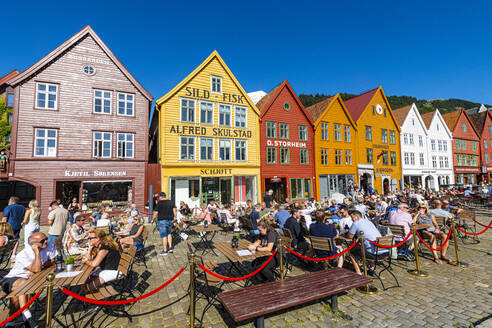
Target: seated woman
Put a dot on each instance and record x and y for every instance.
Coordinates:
(6, 233)
(135, 235)
(267, 242)
(229, 218)
(129, 222)
(433, 232)
(103, 253)
(204, 214)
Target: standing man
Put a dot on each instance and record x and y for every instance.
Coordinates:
(268, 199)
(57, 219)
(14, 215)
(165, 213)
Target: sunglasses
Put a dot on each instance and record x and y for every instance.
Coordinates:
(405, 207)
(42, 241)
(92, 238)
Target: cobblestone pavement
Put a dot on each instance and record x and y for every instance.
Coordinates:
(449, 297)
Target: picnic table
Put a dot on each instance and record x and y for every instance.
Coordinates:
(206, 235)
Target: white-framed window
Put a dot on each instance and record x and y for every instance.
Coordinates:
(303, 136)
(433, 145)
(486, 157)
(102, 144)
(463, 127)
(186, 148)
(406, 158)
(283, 130)
(46, 96)
(439, 145)
(434, 161)
(45, 142)
(225, 150)
(206, 149)
(102, 101)
(405, 138)
(444, 145)
(410, 138)
(338, 157)
(485, 143)
(421, 141)
(10, 100)
(348, 137)
(490, 130)
(338, 132)
(324, 156)
(271, 129)
(126, 104)
(369, 132)
(412, 158)
(348, 157)
(384, 136)
(446, 162)
(324, 131)
(187, 110)
(206, 112)
(224, 115)
(241, 148)
(240, 116)
(304, 156)
(271, 155)
(284, 155)
(125, 146)
(441, 161)
(392, 137)
(422, 161)
(215, 84)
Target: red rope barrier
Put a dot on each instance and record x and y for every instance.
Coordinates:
(475, 234)
(483, 225)
(392, 246)
(323, 258)
(13, 316)
(435, 249)
(239, 278)
(101, 302)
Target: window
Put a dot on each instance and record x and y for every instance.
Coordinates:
(474, 145)
(463, 127)
(125, 145)
(194, 188)
(284, 155)
(283, 130)
(433, 145)
(412, 158)
(240, 117)
(324, 156)
(9, 118)
(373, 110)
(369, 157)
(271, 155)
(413, 122)
(102, 144)
(240, 147)
(421, 141)
(441, 161)
(216, 84)
(406, 158)
(439, 145)
(384, 109)
(338, 157)
(187, 110)
(485, 144)
(422, 161)
(444, 145)
(368, 133)
(463, 144)
(434, 161)
(338, 132)
(304, 156)
(348, 157)
(348, 137)
(225, 146)
(187, 148)
(46, 95)
(490, 143)
(7, 137)
(490, 130)
(45, 143)
(392, 138)
(102, 102)
(300, 188)
(206, 149)
(458, 159)
(10, 100)
(125, 104)
(224, 115)
(446, 162)
(303, 133)
(405, 138)
(384, 136)
(458, 144)
(393, 158)
(385, 158)
(324, 131)
(410, 137)
(89, 70)
(206, 112)
(486, 156)
(271, 129)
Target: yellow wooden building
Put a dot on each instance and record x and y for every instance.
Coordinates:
(335, 147)
(209, 138)
(379, 157)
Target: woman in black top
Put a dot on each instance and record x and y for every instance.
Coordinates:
(73, 208)
(103, 253)
(135, 235)
(184, 209)
(267, 242)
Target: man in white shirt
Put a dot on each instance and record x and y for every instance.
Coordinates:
(32, 259)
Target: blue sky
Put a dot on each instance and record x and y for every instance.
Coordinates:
(426, 49)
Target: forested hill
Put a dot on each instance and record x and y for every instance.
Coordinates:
(444, 105)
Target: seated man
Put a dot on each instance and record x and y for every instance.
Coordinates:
(294, 227)
(75, 239)
(281, 216)
(403, 218)
(254, 216)
(32, 259)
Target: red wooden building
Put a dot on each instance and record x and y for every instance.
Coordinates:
(287, 143)
(483, 125)
(466, 147)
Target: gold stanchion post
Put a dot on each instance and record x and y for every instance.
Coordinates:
(281, 264)
(367, 289)
(417, 272)
(49, 299)
(192, 290)
(457, 262)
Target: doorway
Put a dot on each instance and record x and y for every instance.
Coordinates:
(210, 189)
(385, 186)
(66, 190)
(278, 185)
(365, 181)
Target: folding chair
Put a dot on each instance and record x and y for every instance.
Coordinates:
(460, 218)
(6, 253)
(322, 244)
(379, 259)
(140, 254)
(399, 231)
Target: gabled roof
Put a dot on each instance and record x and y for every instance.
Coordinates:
(357, 104)
(479, 120)
(257, 95)
(196, 71)
(60, 50)
(427, 118)
(267, 101)
(8, 76)
(401, 114)
(453, 118)
(316, 110)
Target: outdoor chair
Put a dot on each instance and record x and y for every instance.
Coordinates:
(464, 221)
(6, 253)
(224, 225)
(140, 254)
(399, 231)
(382, 260)
(322, 244)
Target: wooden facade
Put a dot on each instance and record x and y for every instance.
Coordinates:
(291, 180)
(67, 106)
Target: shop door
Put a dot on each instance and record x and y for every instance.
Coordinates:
(333, 184)
(385, 186)
(323, 187)
(278, 187)
(225, 190)
(342, 184)
(181, 192)
(210, 190)
(66, 190)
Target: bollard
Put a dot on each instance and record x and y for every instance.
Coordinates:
(281, 264)
(367, 289)
(457, 262)
(416, 272)
(49, 299)
(192, 290)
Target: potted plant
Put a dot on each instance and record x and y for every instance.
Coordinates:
(70, 262)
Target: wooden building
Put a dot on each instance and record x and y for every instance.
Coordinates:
(209, 138)
(335, 147)
(286, 132)
(80, 126)
(466, 147)
(379, 159)
(483, 124)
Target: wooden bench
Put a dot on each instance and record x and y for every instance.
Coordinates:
(260, 300)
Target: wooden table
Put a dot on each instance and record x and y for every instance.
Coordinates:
(206, 238)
